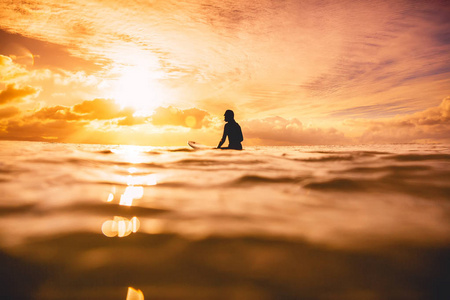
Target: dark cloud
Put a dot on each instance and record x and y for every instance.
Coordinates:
(13, 93)
(193, 117)
(280, 131)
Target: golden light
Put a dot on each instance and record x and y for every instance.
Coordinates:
(132, 154)
(134, 224)
(151, 179)
(120, 226)
(110, 197)
(190, 121)
(131, 193)
(138, 87)
(132, 170)
(134, 294)
(109, 228)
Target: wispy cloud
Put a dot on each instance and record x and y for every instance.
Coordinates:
(324, 61)
(432, 124)
(382, 110)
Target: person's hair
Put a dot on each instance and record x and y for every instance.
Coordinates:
(230, 113)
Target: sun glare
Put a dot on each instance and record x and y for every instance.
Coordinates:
(138, 87)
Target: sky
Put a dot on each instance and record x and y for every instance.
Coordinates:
(161, 73)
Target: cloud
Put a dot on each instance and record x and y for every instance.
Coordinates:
(101, 109)
(433, 116)
(132, 120)
(75, 78)
(57, 113)
(8, 112)
(387, 109)
(101, 121)
(38, 50)
(59, 130)
(10, 71)
(281, 131)
(116, 125)
(16, 94)
(90, 110)
(358, 50)
(193, 117)
(432, 124)
(105, 109)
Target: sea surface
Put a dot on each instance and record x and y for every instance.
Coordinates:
(312, 222)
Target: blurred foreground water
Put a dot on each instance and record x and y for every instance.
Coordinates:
(90, 221)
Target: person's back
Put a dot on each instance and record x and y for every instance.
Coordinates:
(234, 134)
(233, 131)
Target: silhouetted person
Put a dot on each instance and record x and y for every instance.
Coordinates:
(233, 131)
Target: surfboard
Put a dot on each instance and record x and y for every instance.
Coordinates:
(198, 146)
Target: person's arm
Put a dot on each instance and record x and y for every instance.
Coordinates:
(224, 136)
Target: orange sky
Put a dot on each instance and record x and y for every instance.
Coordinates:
(164, 72)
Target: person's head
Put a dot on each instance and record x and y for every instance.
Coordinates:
(229, 115)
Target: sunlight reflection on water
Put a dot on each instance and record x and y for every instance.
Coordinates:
(254, 223)
(134, 294)
(120, 226)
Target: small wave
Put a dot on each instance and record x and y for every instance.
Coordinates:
(104, 152)
(252, 179)
(359, 153)
(208, 162)
(97, 209)
(45, 161)
(174, 184)
(11, 169)
(422, 186)
(18, 209)
(338, 184)
(107, 151)
(197, 162)
(91, 162)
(326, 158)
(419, 157)
(392, 169)
(113, 209)
(152, 153)
(181, 150)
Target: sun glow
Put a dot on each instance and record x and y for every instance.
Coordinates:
(138, 87)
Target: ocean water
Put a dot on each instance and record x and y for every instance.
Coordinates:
(318, 222)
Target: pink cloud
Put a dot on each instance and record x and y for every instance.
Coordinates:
(432, 124)
(280, 131)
